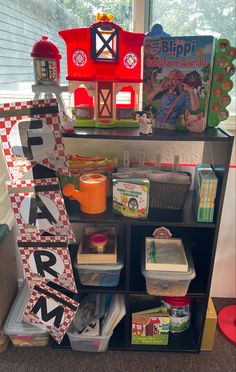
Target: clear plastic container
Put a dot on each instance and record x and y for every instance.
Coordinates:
(20, 333)
(169, 283)
(100, 275)
(87, 343)
(4, 340)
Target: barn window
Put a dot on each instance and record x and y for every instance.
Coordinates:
(104, 42)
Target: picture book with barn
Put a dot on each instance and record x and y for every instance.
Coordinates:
(151, 327)
(177, 80)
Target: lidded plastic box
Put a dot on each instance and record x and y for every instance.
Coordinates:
(20, 333)
(108, 319)
(169, 283)
(87, 343)
(100, 275)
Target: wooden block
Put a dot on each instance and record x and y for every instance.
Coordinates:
(209, 327)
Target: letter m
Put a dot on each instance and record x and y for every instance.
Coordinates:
(56, 313)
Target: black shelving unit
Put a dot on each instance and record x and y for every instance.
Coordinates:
(201, 239)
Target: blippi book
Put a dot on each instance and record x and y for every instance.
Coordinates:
(177, 77)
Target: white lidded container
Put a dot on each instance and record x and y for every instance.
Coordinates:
(169, 283)
(87, 343)
(100, 275)
(20, 333)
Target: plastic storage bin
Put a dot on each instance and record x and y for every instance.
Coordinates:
(4, 340)
(87, 343)
(20, 333)
(169, 283)
(100, 275)
(8, 271)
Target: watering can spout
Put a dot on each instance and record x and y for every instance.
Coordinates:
(69, 190)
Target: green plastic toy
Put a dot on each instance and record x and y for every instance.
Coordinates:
(223, 71)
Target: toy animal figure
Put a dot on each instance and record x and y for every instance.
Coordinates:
(194, 123)
(145, 122)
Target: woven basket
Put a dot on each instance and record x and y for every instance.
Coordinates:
(166, 195)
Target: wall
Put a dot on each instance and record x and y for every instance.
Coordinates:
(22, 22)
(224, 274)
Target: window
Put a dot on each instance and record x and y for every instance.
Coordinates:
(104, 43)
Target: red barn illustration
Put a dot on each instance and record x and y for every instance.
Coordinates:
(104, 62)
(147, 326)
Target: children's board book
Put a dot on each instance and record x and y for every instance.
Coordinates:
(131, 197)
(205, 188)
(177, 80)
(165, 255)
(92, 307)
(151, 327)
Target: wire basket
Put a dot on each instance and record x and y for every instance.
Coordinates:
(167, 195)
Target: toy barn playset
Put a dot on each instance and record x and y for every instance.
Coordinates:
(105, 62)
(186, 80)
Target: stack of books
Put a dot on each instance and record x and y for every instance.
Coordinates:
(205, 187)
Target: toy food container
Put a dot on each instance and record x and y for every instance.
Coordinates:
(179, 309)
(87, 343)
(169, 283)
(100, 275)
(20, 333)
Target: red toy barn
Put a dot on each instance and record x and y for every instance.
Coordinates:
(104, 60)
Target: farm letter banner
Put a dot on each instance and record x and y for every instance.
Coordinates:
(47, 259)
(50, 307)
(30, 133)
(39, 207)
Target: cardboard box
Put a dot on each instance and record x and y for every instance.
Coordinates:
(86, 255)
(209, 328)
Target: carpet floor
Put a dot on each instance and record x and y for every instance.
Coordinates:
(221, 359)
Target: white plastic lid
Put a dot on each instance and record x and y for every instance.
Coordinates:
(171, 275)
(113, 267)
(14, 324)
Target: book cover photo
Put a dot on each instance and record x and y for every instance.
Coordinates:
(177, 81)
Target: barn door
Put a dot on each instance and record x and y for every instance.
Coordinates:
(105, 100)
